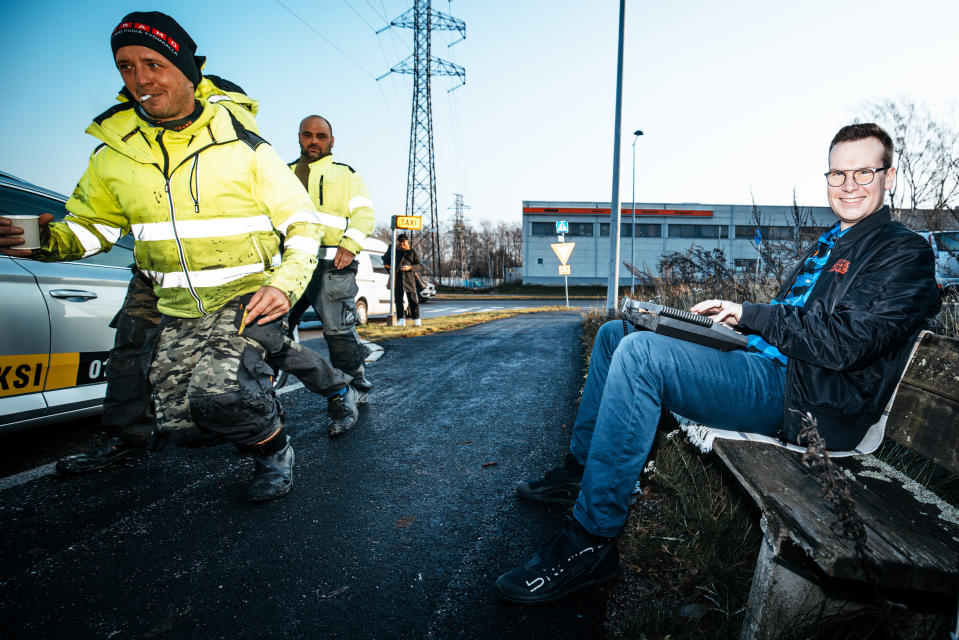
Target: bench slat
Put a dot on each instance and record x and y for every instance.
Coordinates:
(925, 414)
(914, 545)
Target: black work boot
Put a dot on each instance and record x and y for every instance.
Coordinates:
(558, 485)
(571, 560)
(273, 474)
(114, 450)
(343, 411)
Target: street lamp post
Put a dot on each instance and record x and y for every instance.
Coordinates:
(612, 285)
(632, 241)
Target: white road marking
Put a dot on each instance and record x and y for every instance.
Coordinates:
(22, 478)
(290, 387)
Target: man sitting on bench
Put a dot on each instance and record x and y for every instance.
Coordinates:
(833, 343)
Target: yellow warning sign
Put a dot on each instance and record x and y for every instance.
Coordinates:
(563, 250)
(564, 270)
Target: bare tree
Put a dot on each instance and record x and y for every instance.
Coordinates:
(927, 163)
(781, 247)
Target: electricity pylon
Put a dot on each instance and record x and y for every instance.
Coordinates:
(421, 176)
(459, 268)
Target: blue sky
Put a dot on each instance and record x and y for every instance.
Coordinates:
(734, 98)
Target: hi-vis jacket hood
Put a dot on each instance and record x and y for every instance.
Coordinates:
(208, 207)
(346, 209)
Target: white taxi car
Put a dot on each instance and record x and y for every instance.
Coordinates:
(56, 317)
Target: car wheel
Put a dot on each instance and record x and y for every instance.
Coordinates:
(362, 313)
(281, 377)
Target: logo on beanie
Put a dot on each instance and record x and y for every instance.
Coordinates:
(144, 29)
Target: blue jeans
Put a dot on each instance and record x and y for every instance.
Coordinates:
(630, 379)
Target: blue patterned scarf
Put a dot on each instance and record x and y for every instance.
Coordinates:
(800, 290)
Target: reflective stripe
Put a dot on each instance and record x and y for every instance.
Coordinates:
(112, 234)
(304, 244)
(327, 253)
(89, 242)
(207, 278)
(360, 201)
(356, 235)
(215, 228)
(301, 216)
(330, 220)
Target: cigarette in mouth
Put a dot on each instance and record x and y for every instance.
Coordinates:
(145, 98)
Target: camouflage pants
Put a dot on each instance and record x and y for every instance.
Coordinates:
(211, 384)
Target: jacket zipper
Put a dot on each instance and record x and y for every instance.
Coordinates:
(321, 189)
(782, 433)
(195, 179)
(176, 236)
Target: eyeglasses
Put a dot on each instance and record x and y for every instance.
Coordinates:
(861, 176)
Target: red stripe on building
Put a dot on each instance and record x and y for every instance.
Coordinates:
(704, 213)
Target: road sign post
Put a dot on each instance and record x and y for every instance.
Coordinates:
(564, 271)
(563, 250)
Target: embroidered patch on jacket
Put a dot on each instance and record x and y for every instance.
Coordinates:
(840, 266)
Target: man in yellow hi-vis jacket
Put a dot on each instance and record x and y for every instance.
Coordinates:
(346, 211)
(208, 202)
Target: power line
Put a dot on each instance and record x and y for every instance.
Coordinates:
(325, 39)
(347, 2)
(381, 16)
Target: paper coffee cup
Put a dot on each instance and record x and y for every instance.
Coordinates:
(31, 231)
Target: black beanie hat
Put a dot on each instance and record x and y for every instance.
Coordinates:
(161, 33)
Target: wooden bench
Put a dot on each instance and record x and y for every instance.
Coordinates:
(807, 567)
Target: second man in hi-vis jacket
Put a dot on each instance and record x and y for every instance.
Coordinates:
(346, 211)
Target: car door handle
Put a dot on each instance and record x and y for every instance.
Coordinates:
(73, 294)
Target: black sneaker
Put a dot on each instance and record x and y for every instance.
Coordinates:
(343, 411)
(113, 451)
(558, 485)
(571, 560)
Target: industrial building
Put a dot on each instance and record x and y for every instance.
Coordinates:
(659, 229)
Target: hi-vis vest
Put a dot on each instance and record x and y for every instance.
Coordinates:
(345, 206)
(208, 207)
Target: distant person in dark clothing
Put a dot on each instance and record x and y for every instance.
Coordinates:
(405, 279)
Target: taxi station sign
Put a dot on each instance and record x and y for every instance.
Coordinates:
(410, 223)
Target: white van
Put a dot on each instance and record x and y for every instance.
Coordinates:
(373, 280)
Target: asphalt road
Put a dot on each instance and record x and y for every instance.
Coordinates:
(395, 530)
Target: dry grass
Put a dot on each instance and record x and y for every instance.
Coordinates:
(376, 331)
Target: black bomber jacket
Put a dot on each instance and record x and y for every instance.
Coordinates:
(848, 344)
